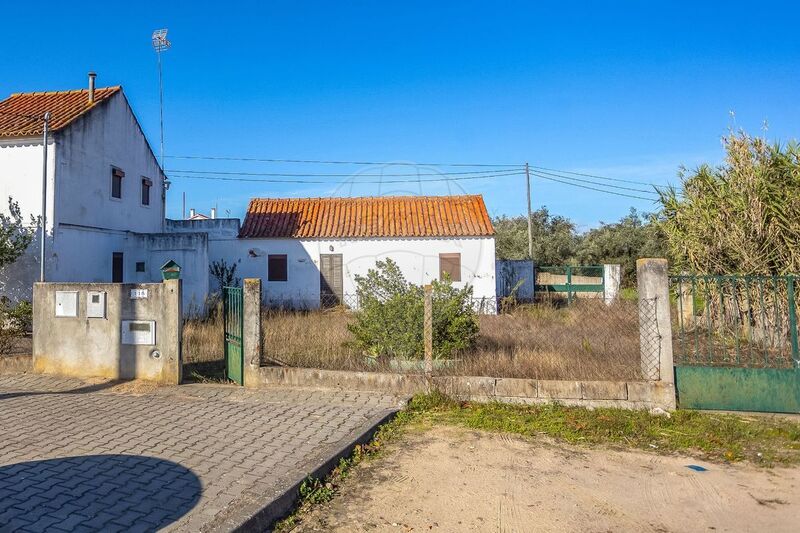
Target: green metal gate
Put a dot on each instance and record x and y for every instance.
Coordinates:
(736, 343)
(569, 280)
(233, 318)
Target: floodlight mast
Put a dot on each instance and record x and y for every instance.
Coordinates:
(160, 44)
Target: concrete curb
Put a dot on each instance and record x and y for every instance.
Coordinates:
(254, 515)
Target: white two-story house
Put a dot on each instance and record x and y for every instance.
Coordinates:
(104, 185)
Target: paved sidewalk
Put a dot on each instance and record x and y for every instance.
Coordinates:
(89, 456)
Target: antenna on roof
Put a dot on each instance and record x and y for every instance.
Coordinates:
(161, 44)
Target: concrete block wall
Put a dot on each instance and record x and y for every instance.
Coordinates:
(92, 347)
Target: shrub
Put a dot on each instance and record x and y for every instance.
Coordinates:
(15, 321)
(391, 317)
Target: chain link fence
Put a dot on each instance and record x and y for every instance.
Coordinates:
(588, 339)
(649, 339)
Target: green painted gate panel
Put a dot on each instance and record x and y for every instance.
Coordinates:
(775, 390)
(233, 319)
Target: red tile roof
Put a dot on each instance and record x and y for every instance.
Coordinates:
(20, 112)
(388, 216)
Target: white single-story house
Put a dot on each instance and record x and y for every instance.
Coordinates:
(307, 251)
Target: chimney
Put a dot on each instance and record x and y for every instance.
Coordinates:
(92, 76)
(191, 213)
(213, 213)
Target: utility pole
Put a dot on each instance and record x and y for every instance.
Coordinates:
(44, 195)
(530, 224)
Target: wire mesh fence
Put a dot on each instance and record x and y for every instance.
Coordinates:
(735, 321)
(587, 339)
(649, 339)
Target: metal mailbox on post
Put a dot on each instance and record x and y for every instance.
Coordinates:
(170, 270)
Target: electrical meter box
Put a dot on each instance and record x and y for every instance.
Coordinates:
(96, 304)
(142, 332)
(67, 303)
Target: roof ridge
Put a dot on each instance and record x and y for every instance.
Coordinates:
(68, 91)
(392, 197)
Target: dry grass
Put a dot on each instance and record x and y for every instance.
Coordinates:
(587, 340)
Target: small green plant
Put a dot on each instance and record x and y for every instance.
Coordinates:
(312, 490)
(224, 273)
(391, 319)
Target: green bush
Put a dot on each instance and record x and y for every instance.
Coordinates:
(391, 317)
(15, 321)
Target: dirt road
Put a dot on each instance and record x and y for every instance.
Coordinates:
(449, 479)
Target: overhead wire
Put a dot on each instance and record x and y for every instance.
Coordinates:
(590, 175)
(540, 176)
(595, 183)
(333, 175)
(340, 162)
(355, 182)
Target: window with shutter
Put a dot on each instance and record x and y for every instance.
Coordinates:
(277, 269)
(116, 182)
(450, 265)
(146, 184)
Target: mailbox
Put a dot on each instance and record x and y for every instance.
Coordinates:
(170, 270)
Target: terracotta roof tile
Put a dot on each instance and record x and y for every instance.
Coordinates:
(18, 112)
(388, 216)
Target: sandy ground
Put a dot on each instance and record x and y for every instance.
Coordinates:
(450, 479)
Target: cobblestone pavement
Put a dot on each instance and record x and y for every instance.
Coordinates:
(97, 455)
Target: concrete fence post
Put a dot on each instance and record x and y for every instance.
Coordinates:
(612, 277)
(251, 337)
(655, 324)
(428, 330)
(172, 309)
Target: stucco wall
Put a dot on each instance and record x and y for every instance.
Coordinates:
(189, 250)
(21, 176)
(107, 137)
(417, 258)
(92, 347)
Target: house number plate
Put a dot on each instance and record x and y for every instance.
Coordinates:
(138, 294)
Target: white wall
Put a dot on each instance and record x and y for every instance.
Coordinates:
(418, 259)
(85, 224)
(21, 179)
(107, 136)
(21, 176)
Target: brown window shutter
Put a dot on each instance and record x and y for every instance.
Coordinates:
(450, 264)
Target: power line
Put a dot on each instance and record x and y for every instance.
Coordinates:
(324, 182)
(595, 183)
(591, 176)
(593, 188)
(305, 174)
(338, 162)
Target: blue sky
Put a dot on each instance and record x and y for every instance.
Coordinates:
(622, 89)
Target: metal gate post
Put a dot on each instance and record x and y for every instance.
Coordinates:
(793, 320)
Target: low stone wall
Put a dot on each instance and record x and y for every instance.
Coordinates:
(622, 394)
(15, 364)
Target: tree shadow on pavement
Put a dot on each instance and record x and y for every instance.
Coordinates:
(96, 493)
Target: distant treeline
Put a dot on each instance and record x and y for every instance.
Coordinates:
(742, 217)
